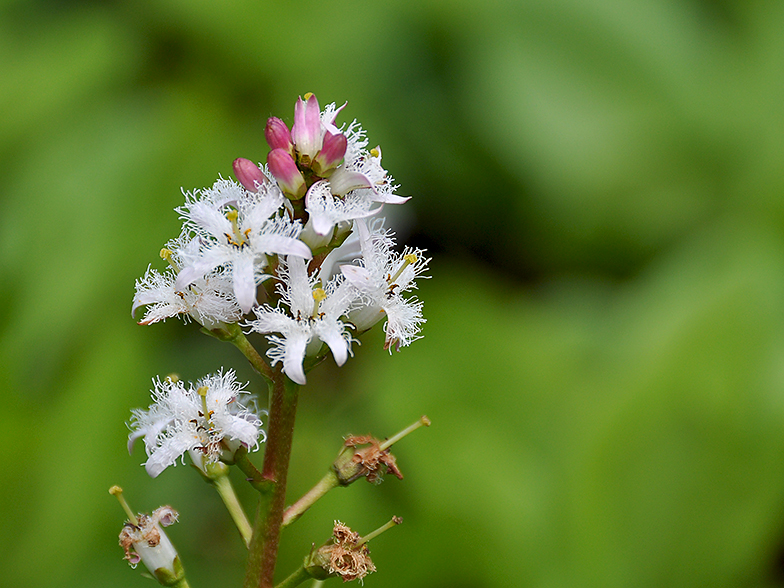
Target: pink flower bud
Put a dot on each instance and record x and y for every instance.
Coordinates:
(306, 132)
(285, 170)
(331, 154)
(248, 174)
(278, 135)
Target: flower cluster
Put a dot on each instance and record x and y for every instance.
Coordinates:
(207, 420)
(294, 249)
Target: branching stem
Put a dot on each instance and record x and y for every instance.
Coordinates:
(296, 510)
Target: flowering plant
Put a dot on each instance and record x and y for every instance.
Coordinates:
(293, 250)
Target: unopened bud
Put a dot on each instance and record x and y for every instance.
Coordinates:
(306, 131)
(290, 179)
(248, 174)
(278, 135)
(331, 155)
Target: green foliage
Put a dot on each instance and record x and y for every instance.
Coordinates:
(601, 187)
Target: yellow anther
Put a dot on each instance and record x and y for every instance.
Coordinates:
(375, 152)
(167, 254)
(410, 258)
(308, 95)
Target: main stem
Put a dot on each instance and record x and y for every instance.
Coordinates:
(266, 530)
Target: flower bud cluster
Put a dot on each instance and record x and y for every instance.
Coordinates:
(295, 249)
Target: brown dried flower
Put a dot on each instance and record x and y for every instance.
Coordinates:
(346, 558)
(371, 461)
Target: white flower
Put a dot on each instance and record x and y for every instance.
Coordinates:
(146, 542)
(356, 189)
(237, 230)
(206, 419)
(209, 299)
(314, 316)
(382, 277)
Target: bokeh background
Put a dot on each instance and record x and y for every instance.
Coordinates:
(601, 187)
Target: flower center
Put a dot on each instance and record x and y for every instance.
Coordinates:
(237, 238)
(318, 295)
(206, 428)
(408, 259)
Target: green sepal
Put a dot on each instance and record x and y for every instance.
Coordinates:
(171, 578)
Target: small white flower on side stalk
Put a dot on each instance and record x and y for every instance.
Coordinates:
(209, 300)
(314, 316)
(207, 419)
(146, 542)
(382, 277)
(237, 230)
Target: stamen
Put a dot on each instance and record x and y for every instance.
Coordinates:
(318, 295)
(118, 493)
(203, 393)
(408, 259)
(238, 239)
(167, 255)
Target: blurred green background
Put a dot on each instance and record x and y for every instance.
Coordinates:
(600, 185)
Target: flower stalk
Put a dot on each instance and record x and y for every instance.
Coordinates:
(218, 475)
(295, 579)
(296, 510)
(266, 529)
(234, 335)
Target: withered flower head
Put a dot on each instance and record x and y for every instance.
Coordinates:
(371, 461)
(345, 555)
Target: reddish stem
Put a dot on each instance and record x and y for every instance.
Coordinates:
(266, 531)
